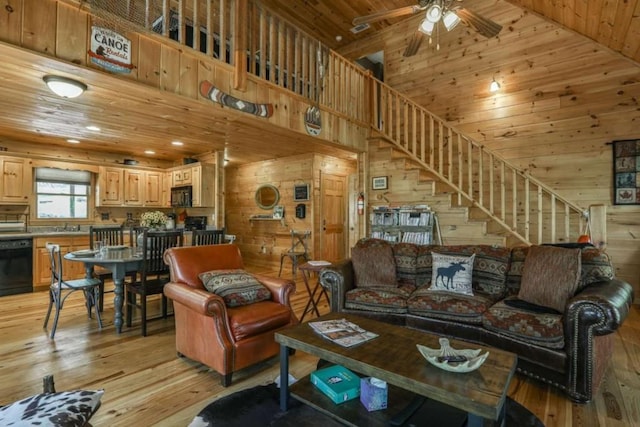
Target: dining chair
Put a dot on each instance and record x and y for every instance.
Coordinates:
(207, 237)
(60, 289)
(299, 250)
(109, 235)
(153, 275)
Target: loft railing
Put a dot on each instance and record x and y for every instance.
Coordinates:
(273, 50)
(519, 203)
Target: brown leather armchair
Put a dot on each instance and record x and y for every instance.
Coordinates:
(224, 338)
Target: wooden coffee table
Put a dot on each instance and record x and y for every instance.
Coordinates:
(394, 358)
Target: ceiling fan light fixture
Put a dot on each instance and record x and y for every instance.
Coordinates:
(426, 26)
(64, 87)
(450, 20)
(434, 12)
(494, 86)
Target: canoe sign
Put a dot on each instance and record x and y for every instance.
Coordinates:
(110, 50)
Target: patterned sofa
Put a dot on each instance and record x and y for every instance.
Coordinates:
(568, 346)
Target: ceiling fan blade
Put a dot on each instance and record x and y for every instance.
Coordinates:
(482, 25)
(386, 14)
(414, 44)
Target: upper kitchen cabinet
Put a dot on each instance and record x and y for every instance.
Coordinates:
(110, 189)
(16, 180)
(201, 177)
(129, 187)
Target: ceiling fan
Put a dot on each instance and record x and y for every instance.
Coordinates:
(445, 11)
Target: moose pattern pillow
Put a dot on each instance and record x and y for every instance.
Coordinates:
(452, 273)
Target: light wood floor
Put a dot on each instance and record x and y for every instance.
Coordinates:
(146, 384)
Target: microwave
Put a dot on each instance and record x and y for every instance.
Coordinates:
(181, 197)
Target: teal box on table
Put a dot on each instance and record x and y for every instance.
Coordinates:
(373, 394)
(337, 382)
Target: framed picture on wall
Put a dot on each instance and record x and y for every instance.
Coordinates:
(300, 192)
(379, 183)
(626, 172)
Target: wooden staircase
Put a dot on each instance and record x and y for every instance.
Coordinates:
(411, 184)
(510, 204)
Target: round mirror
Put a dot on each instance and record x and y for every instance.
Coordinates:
(267, 196)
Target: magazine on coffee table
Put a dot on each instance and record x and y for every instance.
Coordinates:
(342, 332)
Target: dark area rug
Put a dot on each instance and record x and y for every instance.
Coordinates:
(259, 406)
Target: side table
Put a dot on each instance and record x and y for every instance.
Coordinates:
(312, 305)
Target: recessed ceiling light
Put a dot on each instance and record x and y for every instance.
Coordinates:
(73, 141)
(149, 152)
(93, 128)
(177, 143)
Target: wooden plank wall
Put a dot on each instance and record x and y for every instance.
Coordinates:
(262, 242)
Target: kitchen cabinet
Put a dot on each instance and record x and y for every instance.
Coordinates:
(42, 265)
(202, 178)
(166, 189)
(129, 187)
(154, 190)
(182, 177)
(16, 180)
(110, 189)
(133, 187)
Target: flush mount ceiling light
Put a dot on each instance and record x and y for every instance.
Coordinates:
(494, 86)
(177, 143)
(64, 87)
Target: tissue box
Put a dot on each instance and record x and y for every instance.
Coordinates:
(337, 382)
(373, 395)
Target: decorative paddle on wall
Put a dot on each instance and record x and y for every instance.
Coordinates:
(447, 12)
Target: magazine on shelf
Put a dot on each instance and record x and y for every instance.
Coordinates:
(342, 332)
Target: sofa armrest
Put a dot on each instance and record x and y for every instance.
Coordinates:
(281, 289)
(202, 302)
(338, 279)
(602, 306)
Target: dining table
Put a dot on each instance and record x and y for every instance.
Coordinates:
(120, 260)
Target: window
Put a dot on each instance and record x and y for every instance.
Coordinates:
(62, 194)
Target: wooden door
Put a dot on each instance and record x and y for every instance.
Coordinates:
(133, 187)
(111, 186)
(154, 189)
(16, 186)
(332, 213)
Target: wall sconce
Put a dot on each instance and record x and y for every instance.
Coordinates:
(64, 87)
(494, 86)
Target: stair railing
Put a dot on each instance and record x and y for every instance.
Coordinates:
(522, 205)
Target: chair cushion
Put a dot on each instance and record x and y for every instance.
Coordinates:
(250, 320)
(452, 273)
(236, 287)
(67, 408)
(550, 276)
(374, 264)
(544, 329)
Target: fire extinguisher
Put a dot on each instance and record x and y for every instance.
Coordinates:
(360, 204)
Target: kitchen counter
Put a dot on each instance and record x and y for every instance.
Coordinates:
(25, 235)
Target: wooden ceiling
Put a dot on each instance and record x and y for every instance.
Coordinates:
(612, 23)
(137, 118)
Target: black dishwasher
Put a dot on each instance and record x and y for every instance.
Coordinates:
(16, 266)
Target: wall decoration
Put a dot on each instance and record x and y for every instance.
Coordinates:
(626, 172)
(312, 122)
(110, 50)
(208, 90)
(300, 192)
(379, 183)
